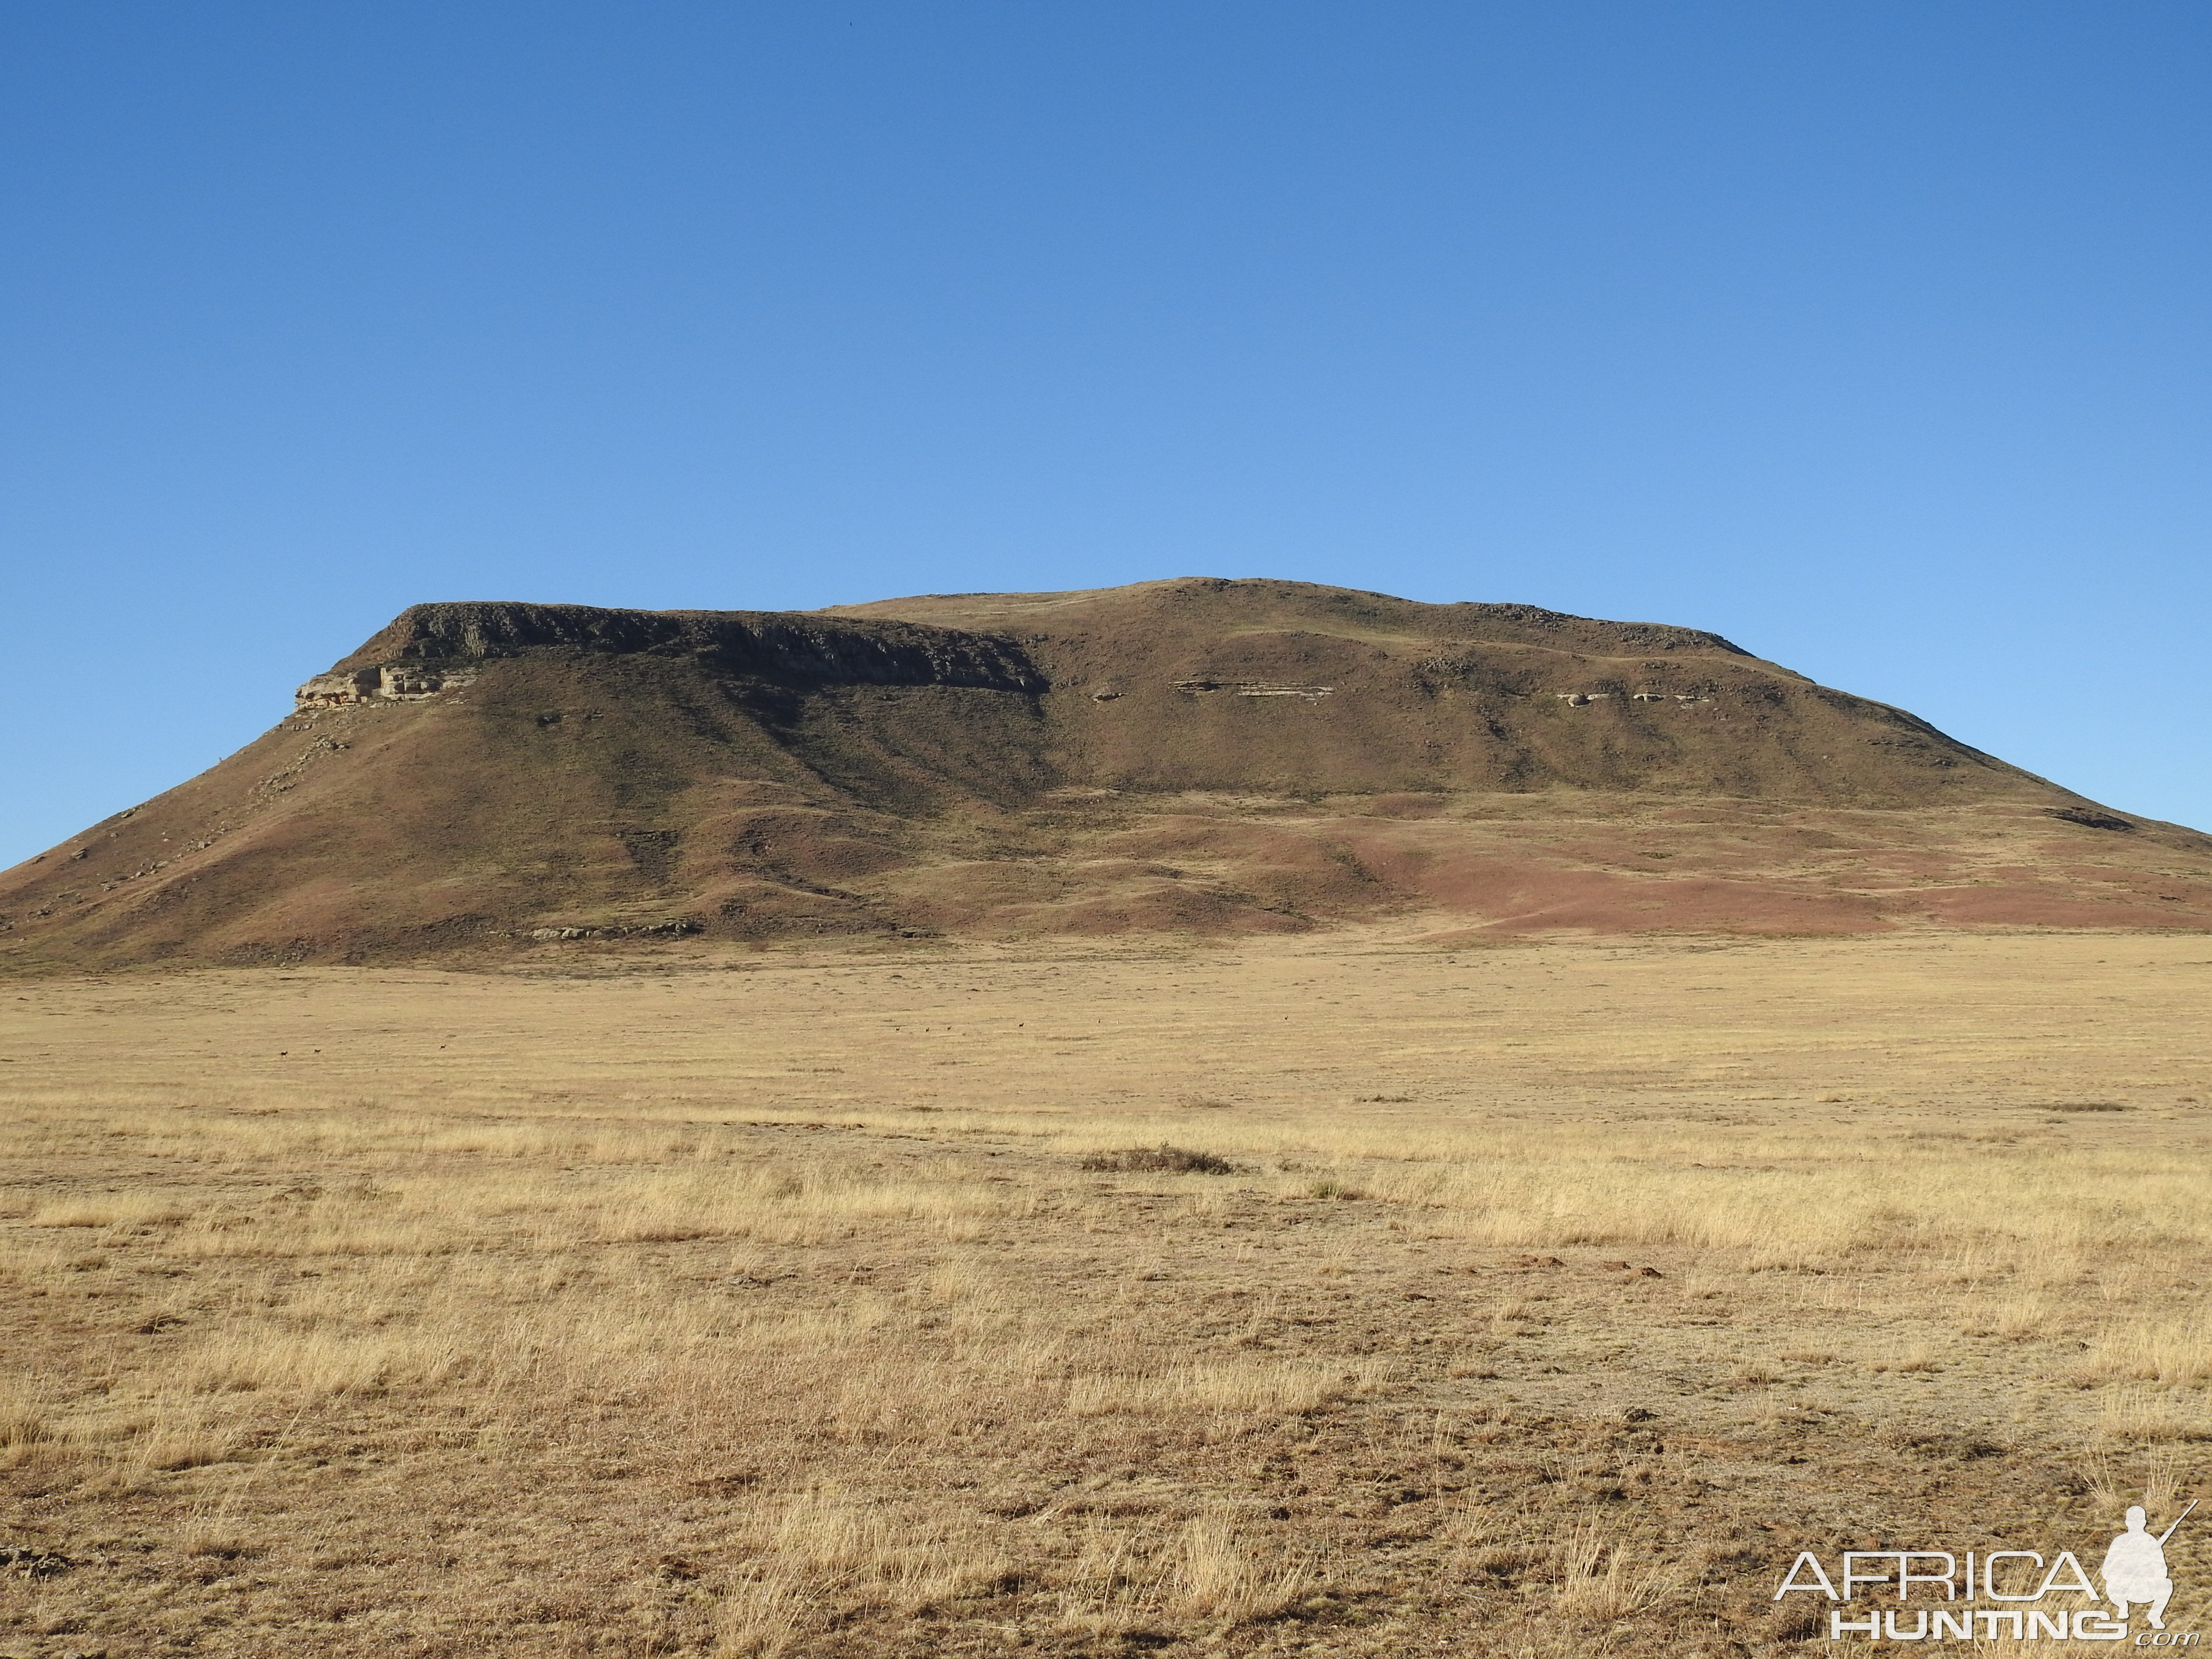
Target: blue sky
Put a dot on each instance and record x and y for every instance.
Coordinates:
(1873, 335)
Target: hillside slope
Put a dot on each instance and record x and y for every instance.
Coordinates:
(1196, 755)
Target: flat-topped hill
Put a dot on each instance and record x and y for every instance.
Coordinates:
(1197, 756)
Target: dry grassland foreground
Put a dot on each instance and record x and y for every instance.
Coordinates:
(1535, 1300)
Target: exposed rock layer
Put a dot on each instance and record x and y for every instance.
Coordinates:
(758, 644)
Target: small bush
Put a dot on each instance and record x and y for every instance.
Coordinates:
(1172, 1160)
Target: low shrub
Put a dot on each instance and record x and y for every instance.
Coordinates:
(1161, 1159)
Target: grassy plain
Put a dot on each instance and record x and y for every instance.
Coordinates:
(772, 1304)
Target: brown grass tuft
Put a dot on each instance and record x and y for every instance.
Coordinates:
(1600, 1582)
(1160, 1159)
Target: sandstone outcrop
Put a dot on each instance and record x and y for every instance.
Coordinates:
(385, 682)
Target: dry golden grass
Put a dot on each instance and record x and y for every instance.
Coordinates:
(1550, 1295)
(1601, 1582)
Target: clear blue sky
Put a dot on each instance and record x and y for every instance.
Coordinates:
(1872, 334)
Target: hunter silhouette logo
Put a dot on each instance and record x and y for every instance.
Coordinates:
(2134, 1567)
(2029, 1587)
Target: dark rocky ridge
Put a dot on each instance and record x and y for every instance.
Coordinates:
(1198, 756)
(766, 644)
